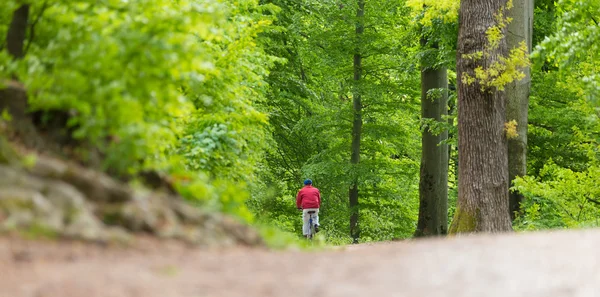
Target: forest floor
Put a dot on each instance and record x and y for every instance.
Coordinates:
(535, 264)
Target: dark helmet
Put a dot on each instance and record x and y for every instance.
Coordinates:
(307, 182)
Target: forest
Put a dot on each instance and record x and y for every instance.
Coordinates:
(412, 117)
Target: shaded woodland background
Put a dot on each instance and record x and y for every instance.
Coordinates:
(231, 104)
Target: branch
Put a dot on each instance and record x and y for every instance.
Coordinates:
(580, 211)
(32, 27)
(287, 166)
(566, 211)
(593, 200)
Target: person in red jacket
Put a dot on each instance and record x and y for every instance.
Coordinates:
(309, 199)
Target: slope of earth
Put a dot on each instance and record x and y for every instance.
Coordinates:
(535, 264)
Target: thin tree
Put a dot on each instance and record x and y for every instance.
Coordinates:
(356, 122)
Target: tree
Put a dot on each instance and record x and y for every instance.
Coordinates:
(433, 183)
(15, 38)
(437, 27)
(357, 122)
(560, 189)
(311, 112)
(520, 29)
(484, 67)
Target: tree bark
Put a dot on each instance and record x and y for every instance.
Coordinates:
(356, 123)
(13, 95)
(482, 204)
(519, 30)
(433, 183)
(15, 37)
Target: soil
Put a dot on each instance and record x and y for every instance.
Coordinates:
(535, 264)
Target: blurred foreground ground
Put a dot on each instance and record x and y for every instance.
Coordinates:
(540, 264)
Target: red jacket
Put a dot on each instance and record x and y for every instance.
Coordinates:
(308, 197)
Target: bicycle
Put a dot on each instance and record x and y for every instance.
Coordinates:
(311, 229)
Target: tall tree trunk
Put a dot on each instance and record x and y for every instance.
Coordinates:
(519, 30)
(482, 204)
(356, 123)
(433, 183)
(15, 38)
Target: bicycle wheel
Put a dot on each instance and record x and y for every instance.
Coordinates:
(311, 229)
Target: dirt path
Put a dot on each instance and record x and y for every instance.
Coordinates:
(542, 264)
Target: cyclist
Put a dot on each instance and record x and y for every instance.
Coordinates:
(309, 199)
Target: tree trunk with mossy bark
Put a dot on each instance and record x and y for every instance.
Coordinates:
(482, 204)
(519, 30)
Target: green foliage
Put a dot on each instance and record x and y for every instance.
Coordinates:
(436, 25)
(510, 128)
(118, 75)
(560, 198)
(446, 10)
(155, 84)
(217, 195)
(310, 112)
(544, 20)
(122, 77)
(236, 102)
(494, 34)
(561, 187)
(562, 124)
(575, 42)
(502, 71)
(226, 135)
